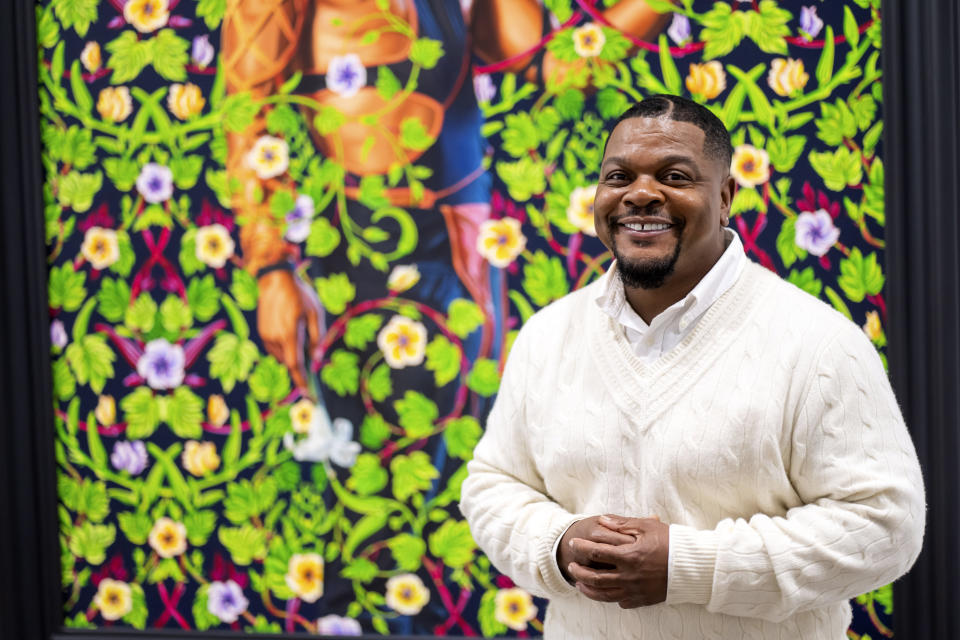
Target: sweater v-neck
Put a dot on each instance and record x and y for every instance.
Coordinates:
(646, 389)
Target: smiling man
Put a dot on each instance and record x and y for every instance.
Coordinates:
(740, 435)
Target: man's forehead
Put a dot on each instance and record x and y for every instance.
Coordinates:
(664, 128)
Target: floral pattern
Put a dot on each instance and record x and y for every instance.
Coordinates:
(199, 487)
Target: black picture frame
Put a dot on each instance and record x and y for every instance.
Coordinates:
(922, 155)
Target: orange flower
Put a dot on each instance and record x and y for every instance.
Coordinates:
(100, 247)
(403, 342)
(217, 411)
(106, 411)
(185, 100)
(200, 458)
(305, 576)
(406, 594)
(872, 327)
(707, 79)
(514, 608)
(787, 76)
(750, 166)
(113, 599)
(500, 241)
(114, 104)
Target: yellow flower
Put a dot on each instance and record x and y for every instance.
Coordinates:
(403, 277)
(403, 342)
(185, 100)
(406, 594)
(217, 411)
(302, 415)
(514, 608)
(100, 247)
(305, 576)
(214, 245)
(500, 241)
(707, 79)
(787, 76)
(114, 104)
(750, 166)
(872, 327)
(113, 599)
(588, 40)
(168, 537)
(90, 57)
(580, 210)
(269, 157)
(106, 411)
(200, 458)
(146, 15)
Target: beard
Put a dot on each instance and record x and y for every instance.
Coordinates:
(645, 274)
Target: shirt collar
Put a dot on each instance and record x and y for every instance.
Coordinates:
(714, 284)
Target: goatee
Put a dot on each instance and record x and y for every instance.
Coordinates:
(645, 274)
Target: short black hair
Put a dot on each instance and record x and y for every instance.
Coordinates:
(716, 141)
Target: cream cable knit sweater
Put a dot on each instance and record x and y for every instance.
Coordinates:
(769, 439)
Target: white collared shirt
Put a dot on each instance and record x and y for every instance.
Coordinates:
(669, 328)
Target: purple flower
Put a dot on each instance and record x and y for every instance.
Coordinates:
(483, 87)
(810, 22)
(346, 75)
(298, 220)
(816, 232)
(679, 30)
(58, 335)
(226, 600)
(162, 364)
(202, 51)
(129, 456)
(155, 183)
(338, 626)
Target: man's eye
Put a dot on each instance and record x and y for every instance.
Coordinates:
(675, 176)
(616, 176)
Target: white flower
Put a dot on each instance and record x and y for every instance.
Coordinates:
(324, 441)
(346, 75)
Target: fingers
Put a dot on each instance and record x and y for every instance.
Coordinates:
(600, 595)
(313, 328)
(294, 359)
(598, 579)
(587, 552)
(622, 524)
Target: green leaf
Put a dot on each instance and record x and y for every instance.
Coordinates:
(135, 526)
(464, 317)
(141, 413)
(361, 330)
(170, 55)
(361, 569)
(851, 31)
(570, 104)
(124, 263)
(768, 27)
(611, 102)
(490, 627)
(336, 292)
(379, 384)
(872, 137)
(65, 287)
(239, 110)
(520, 135)
(188, 253)
(837, 122)
(838, 169)
(544, 279)
(484, 378)
(722, 30)
(864, 110)
(784, 152)
(64, 384)
(202, 618)
(328, 120)
(453, 544)
(185, 413)
(373, 432)
(461, 436)
(48, 31)
(407, 550)
(200, 524)
(524, 178)
(78, 148)
(323, 238)
(412, 474)
(342, 373)
(203, 297)
(671, 77)
(387, 83)
(443, 358)
(787, 243)
(186, 171)
(79, 14)
(90, 541)
(212, 12)
(747, 199)
(175, 316)
(77, 190)
(92, 500)
(142, 314)
(426, 52)
(128, 56)
(825, 66)
(94, 445)
(367, 476)
(244, 289)
(245, 544)
(269, 381)
(416, 414)
(91, 361)
(860, 276)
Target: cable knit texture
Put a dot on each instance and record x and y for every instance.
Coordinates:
(769, 439)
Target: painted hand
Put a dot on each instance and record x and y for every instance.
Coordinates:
(632, 574)
(288, 312)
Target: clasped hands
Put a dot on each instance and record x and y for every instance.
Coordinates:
(617, 559)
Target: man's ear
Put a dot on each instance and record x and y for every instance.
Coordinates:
(726, 198)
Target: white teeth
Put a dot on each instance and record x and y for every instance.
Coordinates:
(647, 226)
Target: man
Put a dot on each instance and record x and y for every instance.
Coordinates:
(745, 432)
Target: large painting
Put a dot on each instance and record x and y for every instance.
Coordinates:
(291, 241)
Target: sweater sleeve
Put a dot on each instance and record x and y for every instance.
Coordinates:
(861, 525)
(504, 499)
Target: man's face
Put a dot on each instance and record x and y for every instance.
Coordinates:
(661, 202)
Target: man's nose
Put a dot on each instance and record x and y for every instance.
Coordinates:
(643, 191)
